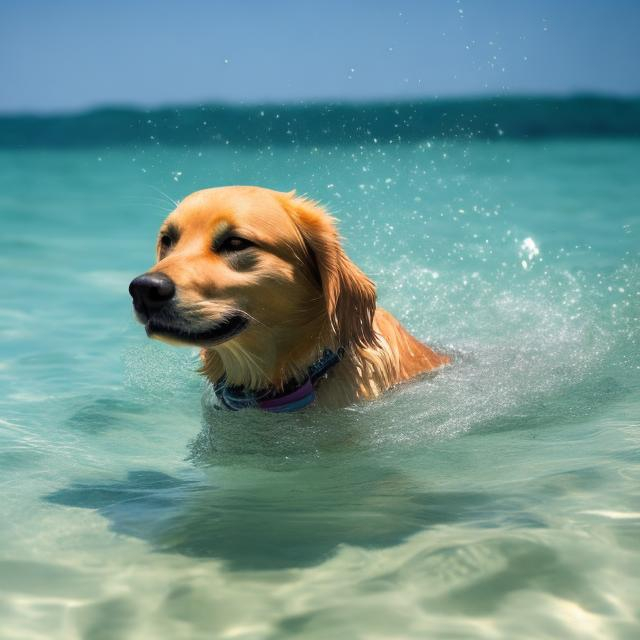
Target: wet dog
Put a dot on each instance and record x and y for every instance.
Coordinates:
(259, 281)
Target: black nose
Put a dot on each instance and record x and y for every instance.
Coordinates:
(151, 291)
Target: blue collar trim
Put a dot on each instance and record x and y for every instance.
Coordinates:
(295, 396)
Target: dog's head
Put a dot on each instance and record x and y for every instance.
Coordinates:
(254, 267)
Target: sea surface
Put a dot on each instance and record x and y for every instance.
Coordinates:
(497, 499)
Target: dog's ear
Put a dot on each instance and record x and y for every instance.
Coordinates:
(350, 297)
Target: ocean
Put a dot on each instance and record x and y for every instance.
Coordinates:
(499, 498)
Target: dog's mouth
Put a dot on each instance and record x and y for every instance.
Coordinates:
(224, 330)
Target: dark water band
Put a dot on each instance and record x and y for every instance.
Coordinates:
(328, 124)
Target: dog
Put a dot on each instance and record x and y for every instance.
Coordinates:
(258, 279)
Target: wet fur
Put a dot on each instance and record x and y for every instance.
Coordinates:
(298, 290)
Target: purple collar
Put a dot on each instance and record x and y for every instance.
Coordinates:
(295, 395)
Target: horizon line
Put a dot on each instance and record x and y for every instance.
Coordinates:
(318, 102)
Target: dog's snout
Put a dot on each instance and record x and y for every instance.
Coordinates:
(151, 291)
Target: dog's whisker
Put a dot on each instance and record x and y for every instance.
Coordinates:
(202, 305)
(248, 315)
(175, 203)
(147, 201)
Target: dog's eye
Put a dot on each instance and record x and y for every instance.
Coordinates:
(166, 240)
(234, 243)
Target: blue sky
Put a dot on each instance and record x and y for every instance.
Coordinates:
(72, 54)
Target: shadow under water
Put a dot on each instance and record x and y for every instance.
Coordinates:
(293, 519)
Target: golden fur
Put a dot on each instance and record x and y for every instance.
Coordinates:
(296, 287)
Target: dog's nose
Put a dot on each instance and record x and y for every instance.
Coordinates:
(151, 291)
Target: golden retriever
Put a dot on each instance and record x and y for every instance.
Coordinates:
(259, 280)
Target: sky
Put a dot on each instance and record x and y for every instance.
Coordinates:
(61, 55)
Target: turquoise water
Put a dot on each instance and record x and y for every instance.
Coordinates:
(500, 498)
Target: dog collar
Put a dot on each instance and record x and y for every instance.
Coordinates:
(295, 396)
